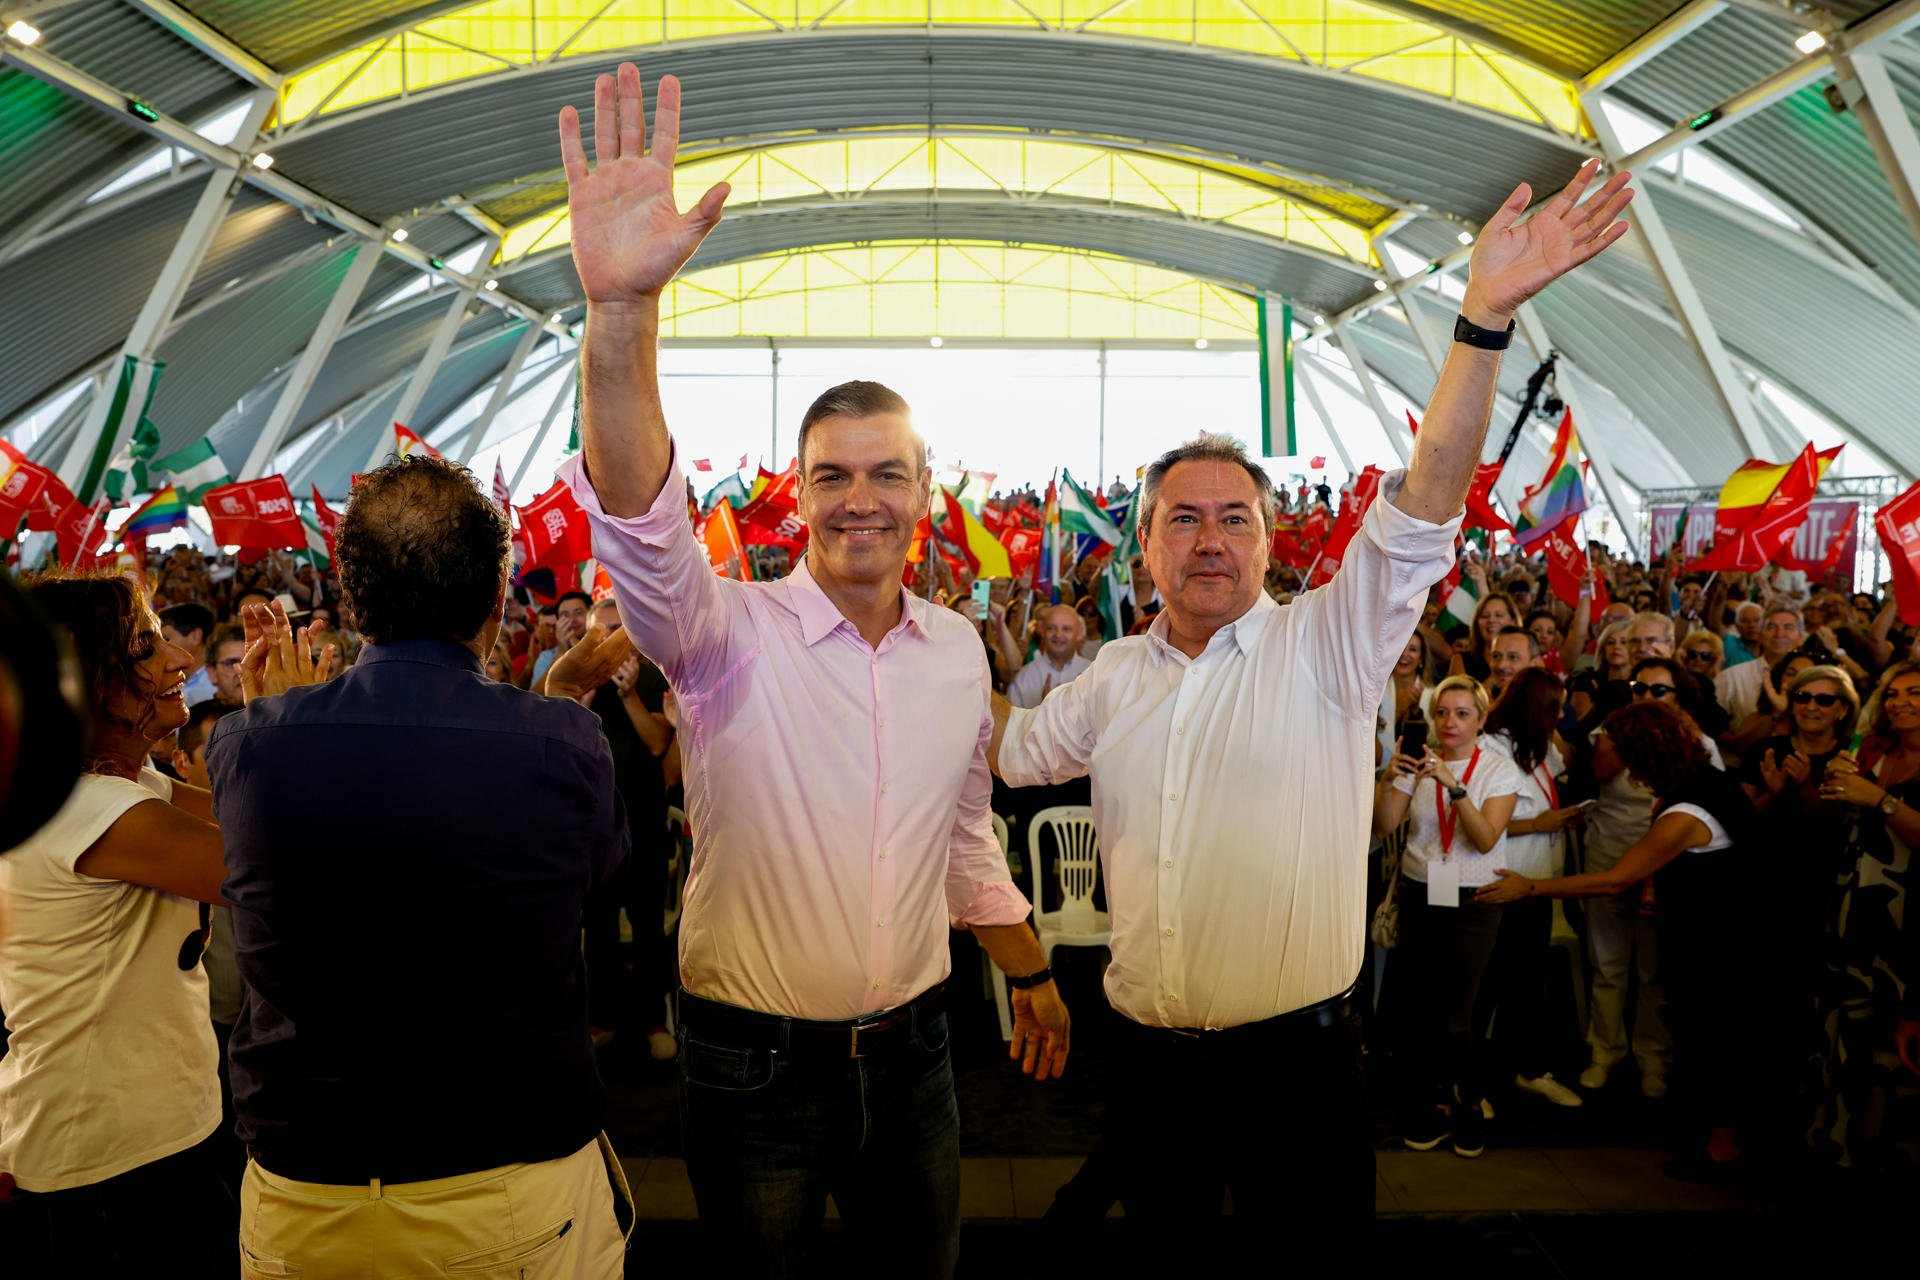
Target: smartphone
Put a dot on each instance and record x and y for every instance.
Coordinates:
(982, 596)
(1413, 742)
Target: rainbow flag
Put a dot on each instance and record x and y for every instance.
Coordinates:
(1560, 495)
(164, 510)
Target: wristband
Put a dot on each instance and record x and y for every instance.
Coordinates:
(1034, 979)
(1465, 330)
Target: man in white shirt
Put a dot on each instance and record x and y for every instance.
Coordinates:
(1061, 633)
(1739, 687)
(1234, 748)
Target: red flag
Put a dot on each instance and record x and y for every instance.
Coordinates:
(1314, 528)
(326, 517)
(1567, 567)
(1898, 524)
(1413, 425)
(406, 442)
(1317, 463)
(1366, 486)
(771, 518)
(502, 495)
(1023, 549)
(1749, 546)
(24, 488)
(703, 464)
(742, 464)
(556, 528)
(1480, 512)
(81, 531)
(256, 514)
(721, 534)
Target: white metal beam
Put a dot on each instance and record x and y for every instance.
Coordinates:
(502, 392)
(98, 441)
(300, 381)
(210, 42)
(1309, 384)
(442, 342)
(1534, 330)
(540, 375)
(1644, 216)
(1371, 389)
(1869, 93)
(1676, 27)
(560, 392)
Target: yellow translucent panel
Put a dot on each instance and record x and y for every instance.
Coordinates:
(980, 164)
(1357, 31)
(429, 62)
(1036, 13)
(1428, 67)
(1251, 28)
(502, 27)
(1511, 87)
(697, 19)
(870, 13)
(888, 164)
(383, 77)
(306, 91)
(1149, 19)
(544, 232)
(623, 25)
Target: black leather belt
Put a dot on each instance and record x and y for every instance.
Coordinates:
(738, 1028)
(1326, 1013)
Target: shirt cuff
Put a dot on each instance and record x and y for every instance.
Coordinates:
(996, 902)
(1401, 536)
(657, 524)
(1016, 770)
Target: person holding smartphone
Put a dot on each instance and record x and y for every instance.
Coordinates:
(1059, 662)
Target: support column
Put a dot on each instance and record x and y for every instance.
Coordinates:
(1100, 447)
(1681, 295)
(300, 380)
(99, 440)
(1371, 390)
(437, 348)
(560, 391)
(1869, 93)
(773, 418)
(502, 391)
(1535, 333)
(1309, 384)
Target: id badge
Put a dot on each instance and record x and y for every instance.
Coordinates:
(1443, 883)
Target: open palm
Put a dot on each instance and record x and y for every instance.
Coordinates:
(629, 240)
(1513, 260)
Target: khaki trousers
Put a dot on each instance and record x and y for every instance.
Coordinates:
(555, 1220)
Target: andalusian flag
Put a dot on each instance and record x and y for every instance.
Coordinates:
(732, 489)
(316, 552)
(164, 510)
(1456, 614)
(194, 469)
(126, 413)
(1560, 495)
(1079, 513)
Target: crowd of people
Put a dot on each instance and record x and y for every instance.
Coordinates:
(313, 963)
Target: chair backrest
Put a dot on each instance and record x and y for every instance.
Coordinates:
(1076, 867)
(1000, 832)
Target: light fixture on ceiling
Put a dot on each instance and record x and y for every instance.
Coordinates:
(556, 317)
(20, 31)
(936, 341)
(399, 235)
(492, 285)
(1466, 237)
(1318, 318)
(262, 161)
(1379, 286)
(1199, 344)
(1810, 42)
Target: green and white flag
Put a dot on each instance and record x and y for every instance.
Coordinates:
(1456, 615)
(126, 429)
(316, 552)
(1079, 513)
(195, 469)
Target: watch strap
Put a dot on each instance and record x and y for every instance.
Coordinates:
(1465, 330)
(1034, 979)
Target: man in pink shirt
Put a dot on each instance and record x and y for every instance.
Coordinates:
(834, 731)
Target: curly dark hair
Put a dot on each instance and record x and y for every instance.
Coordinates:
(1660, 745)
(100, 611)
(421, 552)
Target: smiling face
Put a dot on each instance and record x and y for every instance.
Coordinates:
(1901, 703)
(1546, 633)
(1509, 656)
(1613, 651)
(863, 491)
(1456, 722)
(1207, 549)
(1409, 662)
(571, 621)
(1811, 718)
(1494, 617)
(225, 670)
(1781, 633)
(1646, 638)
(158, 702)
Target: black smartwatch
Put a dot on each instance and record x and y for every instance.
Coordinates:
(1465, 330)
(1033, 979)
(1456, 794)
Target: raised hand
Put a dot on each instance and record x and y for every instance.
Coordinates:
(1770, 775)
(276, 659)
(629, 239)
(1513, 260)
(594, 659)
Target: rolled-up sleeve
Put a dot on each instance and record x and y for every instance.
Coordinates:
(1054, 741)
(1358, 623)
(979, 888)
(684, 617)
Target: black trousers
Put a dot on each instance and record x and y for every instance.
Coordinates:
(1274, 1112)
(173, 1217)
(1434, 979)
(1513, 995)
(627, 990)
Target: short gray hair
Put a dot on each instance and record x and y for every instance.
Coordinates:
(1207, 448)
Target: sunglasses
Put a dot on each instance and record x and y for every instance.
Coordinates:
(1698, 655)
(1641, 689)
(196, 942)
(1823, 700)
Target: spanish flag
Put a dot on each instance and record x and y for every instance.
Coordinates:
(1761, 505)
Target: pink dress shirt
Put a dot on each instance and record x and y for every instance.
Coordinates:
(839, 793)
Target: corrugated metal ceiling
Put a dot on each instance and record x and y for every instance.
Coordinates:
(1570, 37)
(289, 34)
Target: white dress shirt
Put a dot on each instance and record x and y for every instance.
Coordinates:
(1031, 684)
(1233, 792)
(1541, 854)
(1740, 689)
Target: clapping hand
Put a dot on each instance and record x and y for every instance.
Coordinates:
(629, 672)
(1041, 1030)
(1771, 774)
(595, 658)
(275, 660)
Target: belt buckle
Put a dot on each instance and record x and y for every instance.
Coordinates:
(853, 1041)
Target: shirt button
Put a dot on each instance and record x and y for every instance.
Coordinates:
(883, 858)
(1168, 931)
(1181, 730)
(1172, 796)
(1168, 864)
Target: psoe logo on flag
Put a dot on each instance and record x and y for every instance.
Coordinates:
(275, 506)
(16, 485)
(556, 522)
(231, 505)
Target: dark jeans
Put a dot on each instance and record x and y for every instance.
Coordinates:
(618, 998)
(1513, 996)
(173, 1217)
(771, 1132)
(1274, 1112)
(1433, 982)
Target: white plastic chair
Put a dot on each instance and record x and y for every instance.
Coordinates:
(1077, 922)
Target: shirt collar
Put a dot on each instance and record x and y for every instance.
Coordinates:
(820, 616)
(435, 653)
(1244, 631)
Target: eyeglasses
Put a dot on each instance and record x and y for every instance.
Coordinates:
(1698, 655)
(1641, 689)
(1822, 700)
(196, 942)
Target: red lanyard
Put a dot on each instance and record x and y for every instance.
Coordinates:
(1444, 811)
(1547, 785)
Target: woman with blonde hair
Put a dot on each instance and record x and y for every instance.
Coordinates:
(1457, 798)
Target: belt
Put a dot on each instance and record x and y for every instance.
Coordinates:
(1325, 1013)
(738, 1028)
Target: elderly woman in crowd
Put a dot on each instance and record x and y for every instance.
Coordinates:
(1714, 882)
(1704, 654)
(1867, 1002)
(109, 1089)
(1457, 798)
